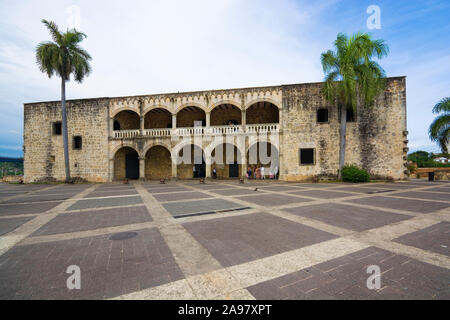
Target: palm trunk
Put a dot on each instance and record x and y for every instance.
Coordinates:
(64, 129)
(342, 132)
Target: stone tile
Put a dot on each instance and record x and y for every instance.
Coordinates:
(235, 192)
(108, 268)
(435, 238)
(180, 196)
(240, 239)
(279, 188)
(180, 209)
(90, 220)
(411, 280)
(322, 194)
(167, 190)
(402, 204)
(107, 202)
(270, 200)
(8, 225)
(347, 217)
(425, 195)
(110, 193)
(362, 189)
(41, 198)
(27, 208)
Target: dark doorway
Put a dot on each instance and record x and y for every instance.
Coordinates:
(234, 170)
(200, 170)
(132, 165)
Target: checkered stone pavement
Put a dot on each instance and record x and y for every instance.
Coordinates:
(225, 240)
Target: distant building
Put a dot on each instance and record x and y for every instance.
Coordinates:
(290, 129)
(441, 160)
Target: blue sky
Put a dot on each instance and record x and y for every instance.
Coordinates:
(143, 47)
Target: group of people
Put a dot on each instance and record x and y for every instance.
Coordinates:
(259, 172)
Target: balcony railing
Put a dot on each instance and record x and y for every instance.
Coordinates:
(123, 134)
(212, 130)
(157, 132)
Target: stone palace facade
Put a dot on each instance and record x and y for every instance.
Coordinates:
(289, 129)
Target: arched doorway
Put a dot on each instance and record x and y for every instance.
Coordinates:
(226, 114)
(262, 112)
(126, 164)
(126, 120)
(158, 163)
(264, 154)
(190, 116)
(191, 162)
(225, 158)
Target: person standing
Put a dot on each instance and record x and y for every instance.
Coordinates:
(262, 173)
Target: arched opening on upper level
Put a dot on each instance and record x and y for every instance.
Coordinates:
(226, 114)
(126, 164)
(191, 162)
(225, 159)
(262, 112)
(190, 116)
(126, 120)
(158, 163)
(158, 118)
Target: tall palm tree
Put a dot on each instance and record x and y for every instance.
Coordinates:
(63, 57)
(352, 78)
(440, 128)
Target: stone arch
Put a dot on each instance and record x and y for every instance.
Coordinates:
(262, 111)
(122, 145)
(195, 166)
(158, 162)
(234, 103)
(128, 119)
(155, 144)
(116, 111)
(252, 102)
(158, 118)
(222, 113)
(226, 164)
(156, 106)
(190, 113)
(191, 104)
(126, 163)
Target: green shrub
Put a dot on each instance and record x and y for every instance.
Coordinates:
(353, 173)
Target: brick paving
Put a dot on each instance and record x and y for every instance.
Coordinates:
(90, 220)
(346, 277)
(435, 238)
(249, 237)
(109, 268)
(185, 240)
(348, 217)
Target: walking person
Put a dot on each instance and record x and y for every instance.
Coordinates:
(262, 173)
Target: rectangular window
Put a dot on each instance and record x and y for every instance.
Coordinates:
(77, 142)
(322, 115)
(57, 129)
(307, 156)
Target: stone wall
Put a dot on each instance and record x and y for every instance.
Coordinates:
(43, 151)
(376, 141)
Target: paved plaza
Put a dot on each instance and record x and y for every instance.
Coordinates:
(225, 240)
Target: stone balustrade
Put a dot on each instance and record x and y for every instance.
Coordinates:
(212, 130)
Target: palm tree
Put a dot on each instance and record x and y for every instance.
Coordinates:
(440, 128)
(63, 57)
(352, 79)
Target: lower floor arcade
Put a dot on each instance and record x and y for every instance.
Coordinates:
(222, 161)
